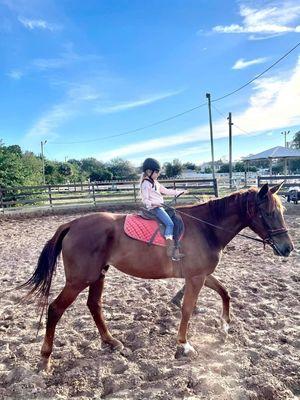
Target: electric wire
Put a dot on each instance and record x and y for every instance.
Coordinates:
(186, 111)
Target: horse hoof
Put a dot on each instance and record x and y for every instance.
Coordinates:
(176, 302)
(225, 327)
(45, 364)
(115, 344)
(185, 350)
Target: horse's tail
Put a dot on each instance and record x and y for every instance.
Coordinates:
(41, 279)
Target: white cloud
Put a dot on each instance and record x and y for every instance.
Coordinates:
(273, 105)
(84, 92)
(279, 19)
(45, 127)
(241, 63)
(48, 124)
(133, 104)
(15, 74)
(50, 63)
(32, 24)
(64, 59)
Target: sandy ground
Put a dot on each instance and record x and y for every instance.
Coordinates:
(259, 360)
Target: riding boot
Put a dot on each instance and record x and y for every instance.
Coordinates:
(177, 256)
(170, 247)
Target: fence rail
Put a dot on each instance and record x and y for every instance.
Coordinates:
(288, 181)
(98, 193)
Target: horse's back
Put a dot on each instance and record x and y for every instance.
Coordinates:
(90, 240)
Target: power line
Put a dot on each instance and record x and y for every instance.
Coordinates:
(138, 129)
(241, 129)
(257, 76)
(223, 115)
(186, 111)
(218, 111)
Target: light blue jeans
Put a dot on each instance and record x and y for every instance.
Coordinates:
(163, 216)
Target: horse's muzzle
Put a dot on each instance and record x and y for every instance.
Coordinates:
(282, 250)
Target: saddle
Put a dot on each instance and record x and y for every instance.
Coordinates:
(146, 228)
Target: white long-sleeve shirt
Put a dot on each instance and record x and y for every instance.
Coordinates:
(153, 196)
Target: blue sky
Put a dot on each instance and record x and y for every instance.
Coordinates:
(76, 72)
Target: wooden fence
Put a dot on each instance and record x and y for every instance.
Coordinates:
(289, 181)
(93, 194)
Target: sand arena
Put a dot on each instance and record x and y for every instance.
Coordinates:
(259, 360)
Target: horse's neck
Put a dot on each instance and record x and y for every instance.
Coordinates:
(231, 225)
(228, 224)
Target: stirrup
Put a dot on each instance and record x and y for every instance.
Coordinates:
(177, 256)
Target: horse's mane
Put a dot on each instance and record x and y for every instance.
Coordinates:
(218, 207)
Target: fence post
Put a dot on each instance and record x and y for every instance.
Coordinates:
(1, 201)
(134, 192)
(94, 198)
(50, 196)
(216, 187)
(258, 180)
(174, 187)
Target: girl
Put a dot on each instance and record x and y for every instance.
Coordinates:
(152, 197)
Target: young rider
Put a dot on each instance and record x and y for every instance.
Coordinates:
(152, 197)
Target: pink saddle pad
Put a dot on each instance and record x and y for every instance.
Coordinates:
(142, 229)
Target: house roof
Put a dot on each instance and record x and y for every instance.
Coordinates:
(274, 152)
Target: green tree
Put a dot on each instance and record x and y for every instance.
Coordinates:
(189, 165)
(207, 170)
(295, 166)
(224, 168)
(173, 169)
(64, 169)
(121, 169)
(18, 169)
(32, 169)
(103, 175)
(239, 167)
(278, 168)
(296, 140)
(10, 168)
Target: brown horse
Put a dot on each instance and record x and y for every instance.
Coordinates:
(89, 244)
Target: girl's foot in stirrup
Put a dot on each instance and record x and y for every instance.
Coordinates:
(170, 247)
(177, 256)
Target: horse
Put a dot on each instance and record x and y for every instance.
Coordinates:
(90, 244)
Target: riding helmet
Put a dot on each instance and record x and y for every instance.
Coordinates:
(152, 164)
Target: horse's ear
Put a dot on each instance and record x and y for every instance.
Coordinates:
(263, 191)
(276, 188)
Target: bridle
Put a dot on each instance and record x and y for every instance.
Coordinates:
(271, 233)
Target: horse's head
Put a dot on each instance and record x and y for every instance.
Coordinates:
(267, 221)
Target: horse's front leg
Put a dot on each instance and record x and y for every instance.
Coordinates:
(213, 283)
(193, 286)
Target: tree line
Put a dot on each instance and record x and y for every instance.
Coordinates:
(18, 168)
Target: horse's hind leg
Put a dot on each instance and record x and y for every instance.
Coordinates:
(55, 311)
(178, 297)
(214, 284)
(94, 304)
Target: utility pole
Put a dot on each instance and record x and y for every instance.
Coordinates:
(211, 136)
(285, 133)
(43, 142)
(230, 149)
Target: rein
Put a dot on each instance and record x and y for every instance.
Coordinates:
(266, 240)
(215, 226)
